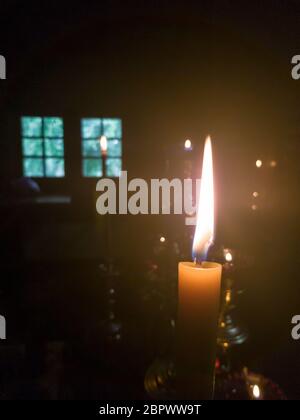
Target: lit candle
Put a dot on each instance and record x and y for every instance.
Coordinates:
(199, 298)
(188, 145)
(103, 147)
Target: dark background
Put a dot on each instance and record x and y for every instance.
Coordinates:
(171, 70)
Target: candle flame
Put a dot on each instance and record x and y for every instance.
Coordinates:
(256, 391)
(204, 233)
(187, 144)
(103, 144)
(228, 255)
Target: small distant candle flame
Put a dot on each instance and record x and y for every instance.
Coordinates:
(256, 391)
(103, 144)
(188, 144)
(228, 256)
(204, 234)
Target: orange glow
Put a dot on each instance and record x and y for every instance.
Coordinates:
(103, 144)
(228, 296)
(204, 233)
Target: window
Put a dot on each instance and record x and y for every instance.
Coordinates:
(92, 161)
(43, 147)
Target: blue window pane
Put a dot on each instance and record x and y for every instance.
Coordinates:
(32, 147)
(31, 126)
(112, 127)
(53, 127)
(114, 148)
(54, 147)
(43, 146)
(90, 128)
(92, 167)
(91, 148)
(113, 167)
(55, 167)
(33, 167)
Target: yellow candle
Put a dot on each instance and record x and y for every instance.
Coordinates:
(198, 309)
(198, 300)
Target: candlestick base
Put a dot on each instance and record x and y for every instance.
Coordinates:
(162, 383)
(159, 380)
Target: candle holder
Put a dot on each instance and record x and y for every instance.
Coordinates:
(160, 378)
(159, 381)
(230, 383)
(231, 332)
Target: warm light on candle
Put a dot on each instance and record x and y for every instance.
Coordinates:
(258, 163)
(199, 298)
(103, 144)
(204, 234)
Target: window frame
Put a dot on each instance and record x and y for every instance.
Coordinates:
(97, 139)
(44, 156)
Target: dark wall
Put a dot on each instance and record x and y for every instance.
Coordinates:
(170, 70)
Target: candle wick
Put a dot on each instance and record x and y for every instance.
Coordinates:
(197, 262)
